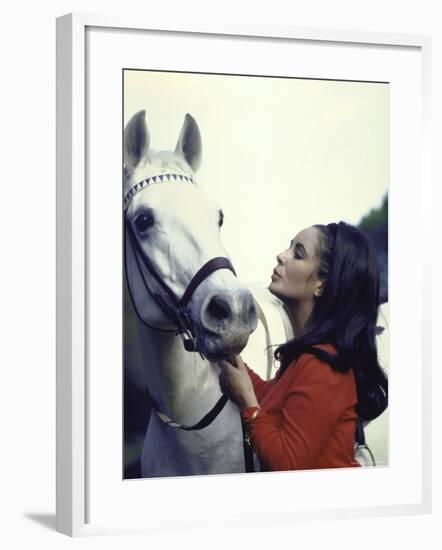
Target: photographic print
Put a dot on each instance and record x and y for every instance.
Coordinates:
(255, 293)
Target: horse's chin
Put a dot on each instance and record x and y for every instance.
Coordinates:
(215, 357)
(220, 348)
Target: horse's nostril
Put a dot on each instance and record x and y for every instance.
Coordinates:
(218, 309)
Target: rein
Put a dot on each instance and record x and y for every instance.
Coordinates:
(203, 423)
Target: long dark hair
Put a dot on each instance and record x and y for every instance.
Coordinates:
(345, 315)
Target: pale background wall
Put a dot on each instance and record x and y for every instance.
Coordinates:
(281, 153)
(27, 458)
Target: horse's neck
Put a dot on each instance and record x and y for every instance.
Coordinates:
(183, 385)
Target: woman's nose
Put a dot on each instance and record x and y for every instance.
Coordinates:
(280, 257)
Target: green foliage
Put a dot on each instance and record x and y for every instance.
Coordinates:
(376, 216)
(375, 226)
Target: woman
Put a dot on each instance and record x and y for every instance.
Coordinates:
(305, 417)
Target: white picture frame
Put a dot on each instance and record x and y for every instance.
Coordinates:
(76, 485)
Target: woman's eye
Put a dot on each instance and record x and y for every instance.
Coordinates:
(143, 222)
(298, 256)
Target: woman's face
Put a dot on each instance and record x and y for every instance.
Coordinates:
(294, 279)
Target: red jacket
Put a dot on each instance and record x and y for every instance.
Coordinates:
(307, 418)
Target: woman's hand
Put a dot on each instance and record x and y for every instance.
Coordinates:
(236, 383)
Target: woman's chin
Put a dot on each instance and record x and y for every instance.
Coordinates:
(274, 290)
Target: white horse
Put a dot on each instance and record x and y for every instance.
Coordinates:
(171, 236)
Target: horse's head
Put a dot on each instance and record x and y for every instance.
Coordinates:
(172, 230)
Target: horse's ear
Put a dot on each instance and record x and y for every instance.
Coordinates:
(136, 140)
(189, 143)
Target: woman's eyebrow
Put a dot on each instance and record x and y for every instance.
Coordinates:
(302, 247)
(299, 245)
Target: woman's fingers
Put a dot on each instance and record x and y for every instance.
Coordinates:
(224, 380)
(225, 365)
(234, 361)
(235, 381)
(237, 362)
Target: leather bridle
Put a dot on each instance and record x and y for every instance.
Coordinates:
(175, 310)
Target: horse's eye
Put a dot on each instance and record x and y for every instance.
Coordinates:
(143, 222)
(221, 218)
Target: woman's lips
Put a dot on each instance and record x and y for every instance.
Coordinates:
(275, 275)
